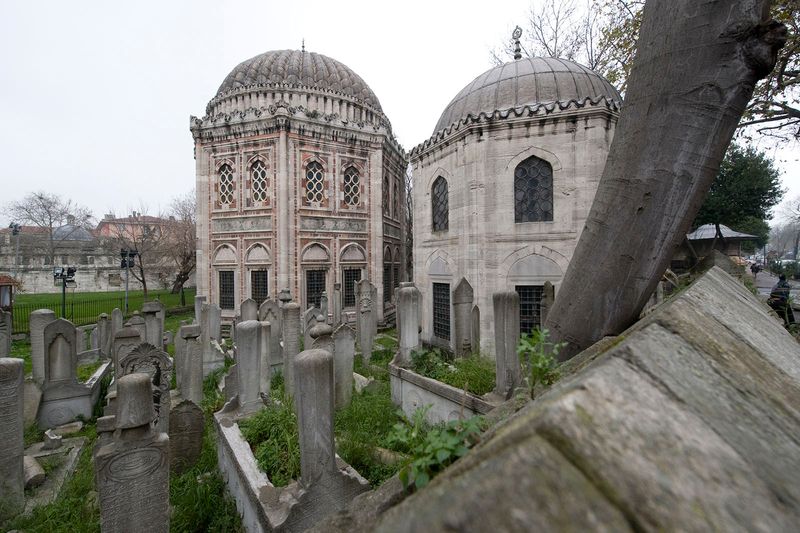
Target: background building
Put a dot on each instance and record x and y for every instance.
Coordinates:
(299, 184)
(503, 187)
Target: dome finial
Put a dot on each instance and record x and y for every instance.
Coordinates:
(516, 35)
(303, 45)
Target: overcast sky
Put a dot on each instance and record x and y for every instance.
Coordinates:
(97, 95)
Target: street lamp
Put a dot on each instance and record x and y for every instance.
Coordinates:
(15, 230)
(128, 261)
(66, 275)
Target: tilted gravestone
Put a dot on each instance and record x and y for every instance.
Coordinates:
(154, 327)
(12, 479)
(249, 310)
(344, 349)
(148, 359)
(132, 468)
(38, 320)
(271, 312)
(6, 328)
(186, 425)
(291, 342)
(462, 311)
(506, 337)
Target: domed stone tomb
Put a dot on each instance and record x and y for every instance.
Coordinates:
(299, 184)
(501, 192)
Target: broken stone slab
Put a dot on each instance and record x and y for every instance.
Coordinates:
(66, 461)
(68, 429)
(52, 441)
(34, 473)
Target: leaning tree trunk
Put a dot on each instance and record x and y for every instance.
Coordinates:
(694, 72)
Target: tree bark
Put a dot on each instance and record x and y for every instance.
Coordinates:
(696, 65)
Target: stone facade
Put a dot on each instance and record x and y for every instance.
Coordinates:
(549, 113)
(299, 184)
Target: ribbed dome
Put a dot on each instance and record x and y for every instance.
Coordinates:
(295, 67)
(528, 81)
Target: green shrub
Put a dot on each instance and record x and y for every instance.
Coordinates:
(537, 355)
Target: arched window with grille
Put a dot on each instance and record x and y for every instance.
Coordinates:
(533, 191)
(352, 187)
(225, 185)
(439, 204)
(386, 205)
(258, 181)
(315, 184)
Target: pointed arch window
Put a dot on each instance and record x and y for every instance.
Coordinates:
(258, 176)
(352, 187)
(533, 191)
(386, 205)
(439, 204)
(225, 185)
(314, 183)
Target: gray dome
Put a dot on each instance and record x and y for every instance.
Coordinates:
(71, 232)
(295, 67)
(528, 81)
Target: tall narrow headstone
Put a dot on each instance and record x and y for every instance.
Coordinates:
(373, 319)
(117, 323)
(548, 298)
(248, 363)
(198, 304)
(157, 364)
(249, 310)
(291, 342)
(462, 311)
(12, 477)
(323, 305)
(322, 335)
(212, 358)
(506, 336)
(125, 340)
(154, 328)
(266, 363)
(313, 383)
(407, 311)
(270, 311)
(364, 319)
(6, 328)
(186, 425)
(132, 469)
(214, 322)
(38, 320)
(189, 364)
(337, 304)
(61, 354)
(344, 349)
(104, 334)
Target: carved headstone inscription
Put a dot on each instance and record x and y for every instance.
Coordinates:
(12, 479)
(364, 319)
(132, 469)
(38, 320)
(462, 309)
(186, 425)
(146, 358)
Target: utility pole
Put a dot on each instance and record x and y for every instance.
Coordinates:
(67, 277)
(128, 261)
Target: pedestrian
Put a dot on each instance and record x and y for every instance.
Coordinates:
(754, 268)
(780, 302)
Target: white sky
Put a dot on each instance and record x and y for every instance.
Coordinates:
(97, 95)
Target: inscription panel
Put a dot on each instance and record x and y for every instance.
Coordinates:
(241, 224)
(333, 224)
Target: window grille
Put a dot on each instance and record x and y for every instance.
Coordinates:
(352, 187)
(396, 201)
(315, 286)
(314, 183)
(226, 299)
(441, 310)
(258, 174)
(259, 285)
(530, 307)
(225, 185)
(350, 277)
(533, 191)
(395, 277)
(386, 206)
(439, 203)
(387, 282)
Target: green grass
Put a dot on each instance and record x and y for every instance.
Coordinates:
(21, 349)
(475, 373)
(134, 297)
(86, 371)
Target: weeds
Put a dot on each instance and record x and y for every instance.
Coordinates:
(538, 358)
(475, 373)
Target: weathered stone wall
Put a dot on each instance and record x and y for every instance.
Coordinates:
(483, 243)
(688, 421)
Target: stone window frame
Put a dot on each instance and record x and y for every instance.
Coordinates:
(442, 205)
(218, 170)
(219, 265)
(345, 264)
(314, 264)
(323, 202)
(348, 167)
(529, 207)
(250, 179)
(251, 265)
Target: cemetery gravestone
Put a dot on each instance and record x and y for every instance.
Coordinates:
(407, 318)
(137, 322)
(266, 364)
(198, 305)
(132, 469)
(38, 320)
(291, 342)
(270, 312)
(189, 365)
(476, 328)
(117, 321)
(146, 358)
(186, 425)
(323, 305)
(309, 321)
(249, 310)
(462, 310)
(248, 363)
(125, 340)
(12, 481)
(6, 328)
(506, 337)
(154, 327)
(344, 349)
(364, 320)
